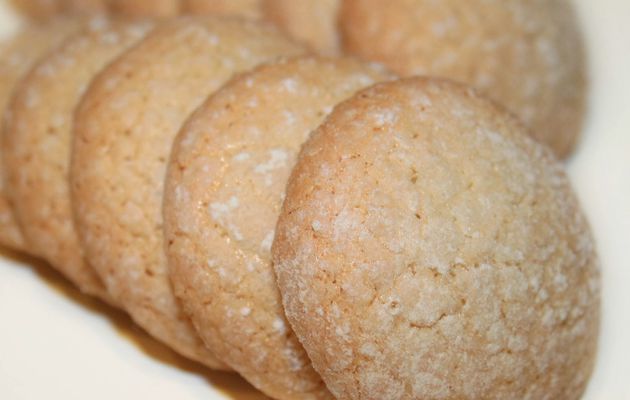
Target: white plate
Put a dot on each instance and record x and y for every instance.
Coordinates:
(57, 344)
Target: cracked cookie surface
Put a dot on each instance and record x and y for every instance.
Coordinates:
(17, 56)
(124, 129)
(39, 138)
(428, 248)
(525, 54)
(224, 190)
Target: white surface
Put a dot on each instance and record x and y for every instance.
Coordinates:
(55, 344)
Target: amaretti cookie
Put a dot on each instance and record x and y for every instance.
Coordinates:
(145, 8)
(429, 249)
(314, 22)
(38, 138)
(86, 7)
(224, 189)
(45, 9)
(17, 55)
(526, 54)
(38, 9)
(245, 8)
(124, 129)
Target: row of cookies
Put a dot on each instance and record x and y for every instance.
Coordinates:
(527, 55)
(223, 193)
(423, 245)
(86, 141)
(311, 21)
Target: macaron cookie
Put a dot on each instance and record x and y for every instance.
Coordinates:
(526, 54)
(314, 22)
(224, 189)
(17, 55)
(38, 139)
(124, 129)
(428, 248)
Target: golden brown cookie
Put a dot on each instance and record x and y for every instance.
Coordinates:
(429, 249)
(313, 22)
(526, 54)
(87, 7)
(244, 8)
(45, 9)
(38, 9)
(38, 138)
(17, 55)
(145, 8)
(124, 129)
(224, 189)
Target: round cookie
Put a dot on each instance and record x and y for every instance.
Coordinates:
(145, 8)
(429, 249)
(244, 8)
(17, 55)
(224, 189)
(312, 21)
(38, 138)
(124, 129)
(526, 54)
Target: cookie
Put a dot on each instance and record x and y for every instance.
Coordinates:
(224, 189)
(38, 139)
(85, 7)
(124, 129)
(17, 55)
(429, 249)
(312, 21)
(145, 8)
(244, 8)
(38, 9)
(45, 9)
(525, 54)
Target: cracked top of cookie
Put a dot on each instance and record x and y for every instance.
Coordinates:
(427, 248)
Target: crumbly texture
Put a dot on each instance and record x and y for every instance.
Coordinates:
(38, 138)
(526, 54)
(244, 8)
(17, 55)
(429, 249)
(124, 129)
(313, 22)
(224, 190)
(145, 8)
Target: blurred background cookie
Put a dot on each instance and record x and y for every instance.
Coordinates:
(313, 22)
(124, 130)
(17, 55)
(525, 54)
(38, 9)
(145, 8)
(45, 9)
(429, 249)
(37, 142)
(224, 190)
(245, 8)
